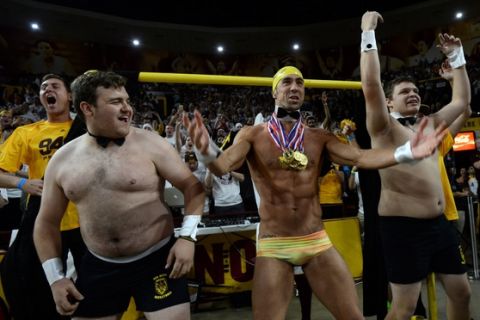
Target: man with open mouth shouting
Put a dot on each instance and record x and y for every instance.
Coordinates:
(25, 286)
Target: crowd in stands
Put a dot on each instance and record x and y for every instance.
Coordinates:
(226, 109)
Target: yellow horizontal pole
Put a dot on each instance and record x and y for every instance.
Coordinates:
(238, 80)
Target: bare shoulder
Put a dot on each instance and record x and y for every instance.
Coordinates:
(250, 132)
(141, 136)
(67, 153)
(149, 141)
(69, 148)
(319, 133)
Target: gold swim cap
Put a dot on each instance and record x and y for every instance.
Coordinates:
(282, 73)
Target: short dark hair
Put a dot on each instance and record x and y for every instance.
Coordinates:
(392, 83)
(84, 87)
(190, 156)
(55, 76)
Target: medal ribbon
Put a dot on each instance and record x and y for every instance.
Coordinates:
(292, 141)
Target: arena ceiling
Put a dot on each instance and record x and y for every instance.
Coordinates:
(244, 27)
(235, 14)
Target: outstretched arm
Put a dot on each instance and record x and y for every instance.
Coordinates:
(419, 147)
(218, 163)
(376, 106)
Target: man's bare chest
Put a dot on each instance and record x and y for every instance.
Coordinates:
(109, 175)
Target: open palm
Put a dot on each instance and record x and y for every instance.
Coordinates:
(425, 145)
(197, 132)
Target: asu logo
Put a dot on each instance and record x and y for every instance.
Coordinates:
(161, 287)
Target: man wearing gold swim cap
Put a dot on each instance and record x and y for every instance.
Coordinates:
(285, 158)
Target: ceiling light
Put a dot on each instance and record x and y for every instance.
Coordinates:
(34, 26)
(220, 49)
(136, 42)
(296, 46)
(459, 15)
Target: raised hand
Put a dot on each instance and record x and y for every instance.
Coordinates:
(370, 20)
(425, 145)
(448, 43)
(197, 132)
(324, 98)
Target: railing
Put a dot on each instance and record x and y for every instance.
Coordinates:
(473, 237)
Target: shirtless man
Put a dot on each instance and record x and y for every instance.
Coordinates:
(115, 175)
(291, 230)
(416, 236)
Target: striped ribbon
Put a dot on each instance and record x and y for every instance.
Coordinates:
(292, 141)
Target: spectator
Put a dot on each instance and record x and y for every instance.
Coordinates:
(226, 192)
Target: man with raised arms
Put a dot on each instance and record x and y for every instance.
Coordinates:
(416, 236)
(285, 158)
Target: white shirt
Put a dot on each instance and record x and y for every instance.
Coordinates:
(226, 191)
(473, 185)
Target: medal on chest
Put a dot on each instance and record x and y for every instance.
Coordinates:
(291, 145)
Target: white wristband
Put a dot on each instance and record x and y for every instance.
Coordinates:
(456, 58)
(368, 41)
(53, 269)
(190, 226)
(212, 153)
(404, 153)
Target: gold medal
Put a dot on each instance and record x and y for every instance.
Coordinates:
(301, 158)
(295, 160)
(285, 160)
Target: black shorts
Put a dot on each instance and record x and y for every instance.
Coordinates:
(108, 287)
(11, 215)
(414, 247)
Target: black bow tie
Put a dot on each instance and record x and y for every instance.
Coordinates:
(282, 113)
(104, 141)
(407, 120)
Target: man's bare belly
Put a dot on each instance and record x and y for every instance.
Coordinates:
(398, 204)
(126, 236)
(286, 221)
(412, 190)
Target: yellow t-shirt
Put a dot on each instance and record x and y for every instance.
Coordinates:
(450, 208)
(34, 144)
(331, 188)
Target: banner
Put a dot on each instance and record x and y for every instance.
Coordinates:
(224, 262)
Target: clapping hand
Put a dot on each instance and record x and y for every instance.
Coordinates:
(197, 132)
(424, 145)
